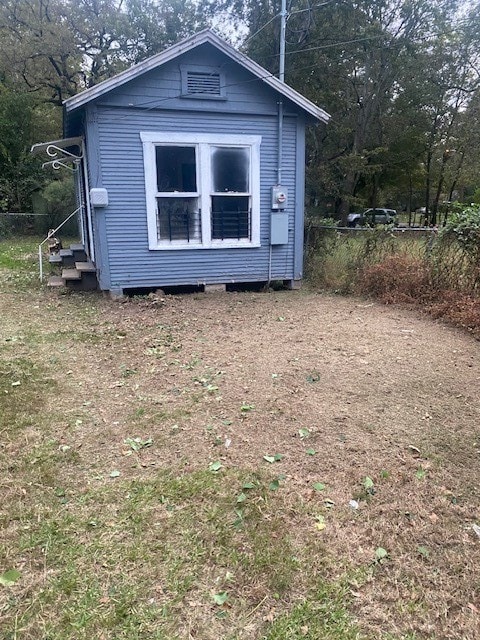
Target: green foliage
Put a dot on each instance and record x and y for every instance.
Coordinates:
(55, 202)
(64, 46)
(454, 258)
(464, 226)
(20, 172)
(399, 124)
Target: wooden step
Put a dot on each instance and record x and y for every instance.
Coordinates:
(71, 274)
(55, 258)
(67, 258)
(85, 267)
(78, 252)
(56, 281)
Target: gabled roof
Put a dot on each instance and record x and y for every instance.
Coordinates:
(205, 36)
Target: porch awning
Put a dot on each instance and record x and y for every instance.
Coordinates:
(64, 143)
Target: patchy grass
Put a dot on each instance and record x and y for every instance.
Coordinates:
(168, 477)
(23, 383)
(133, 559)
(19, 264)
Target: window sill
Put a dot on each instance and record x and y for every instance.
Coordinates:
(214, 245)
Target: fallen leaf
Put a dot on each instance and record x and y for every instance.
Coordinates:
(368, 483)
(274, 485)
(381, 554)
(270, 616)
(220, 598)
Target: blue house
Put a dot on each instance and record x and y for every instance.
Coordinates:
(191, 170)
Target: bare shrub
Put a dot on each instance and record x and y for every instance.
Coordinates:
(397, 278)
(457, 308)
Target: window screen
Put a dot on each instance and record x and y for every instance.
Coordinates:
(178, 219)
(230, 217)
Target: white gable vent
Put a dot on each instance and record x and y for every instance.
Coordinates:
(203, 82)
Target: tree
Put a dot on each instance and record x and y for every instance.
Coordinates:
(20, 172)
(392, 74)
(60, 47)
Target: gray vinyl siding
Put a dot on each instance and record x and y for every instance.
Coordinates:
(123, 224)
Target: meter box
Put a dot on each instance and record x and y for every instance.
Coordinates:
(279, 197)
(279, 227)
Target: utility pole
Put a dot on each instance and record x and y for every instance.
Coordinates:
(283, 27)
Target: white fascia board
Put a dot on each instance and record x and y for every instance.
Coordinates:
(207, 35)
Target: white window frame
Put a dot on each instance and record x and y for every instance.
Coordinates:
(202, 142)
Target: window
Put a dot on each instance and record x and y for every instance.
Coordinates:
(202, 190)
(178, 215)
(230, 192)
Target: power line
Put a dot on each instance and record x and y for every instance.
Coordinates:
(291, 13)
(261, 29)
(316, 6)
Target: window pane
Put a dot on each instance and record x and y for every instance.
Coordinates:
(176, 169)
(230, 169)
(178, 219)
(230, 217)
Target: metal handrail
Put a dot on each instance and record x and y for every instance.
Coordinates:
(50, 235)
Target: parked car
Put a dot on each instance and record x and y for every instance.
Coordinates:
(372, 217)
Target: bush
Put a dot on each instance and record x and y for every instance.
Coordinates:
(460, 309)
(396, 278)
(455, 257)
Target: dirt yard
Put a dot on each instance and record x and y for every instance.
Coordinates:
(331, 399)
